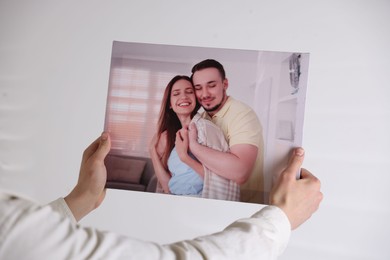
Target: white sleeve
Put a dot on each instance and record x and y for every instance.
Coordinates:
(263, 236)
(62, 208)
(28, 231)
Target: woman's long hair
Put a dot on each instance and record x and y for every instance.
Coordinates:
(168, 120)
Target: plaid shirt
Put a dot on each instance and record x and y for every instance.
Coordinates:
(215, 186)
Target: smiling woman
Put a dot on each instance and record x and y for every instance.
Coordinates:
(177, 170)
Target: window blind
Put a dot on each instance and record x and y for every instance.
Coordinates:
(133, 107)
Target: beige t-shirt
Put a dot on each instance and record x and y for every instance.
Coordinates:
(241, 125)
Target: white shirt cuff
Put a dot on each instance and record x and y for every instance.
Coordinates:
(60, 206)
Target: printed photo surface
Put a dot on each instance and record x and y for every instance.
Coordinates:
(205, 134)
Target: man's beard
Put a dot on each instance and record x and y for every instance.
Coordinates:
(217, 106)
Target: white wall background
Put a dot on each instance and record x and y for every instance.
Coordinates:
(54, 65)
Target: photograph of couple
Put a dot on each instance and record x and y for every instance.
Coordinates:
(178, 127)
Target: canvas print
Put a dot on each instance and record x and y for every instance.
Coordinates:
(203, 122)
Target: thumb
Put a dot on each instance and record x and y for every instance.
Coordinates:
(104, 147)
(295, 162)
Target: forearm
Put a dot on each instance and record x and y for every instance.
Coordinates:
(42, 233)
(162, 174)
(263, 236)
(193, 164)
(35, 232)
(82, 202)
(76, 206)
(225, 164)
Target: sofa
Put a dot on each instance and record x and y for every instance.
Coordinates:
(130, 173)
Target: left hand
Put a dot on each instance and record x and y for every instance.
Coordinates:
(181, 143)
(89, 191)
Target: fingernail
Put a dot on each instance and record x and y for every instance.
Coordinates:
(104, 136)
(299, 151)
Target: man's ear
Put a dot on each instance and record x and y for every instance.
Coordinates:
(225, 83)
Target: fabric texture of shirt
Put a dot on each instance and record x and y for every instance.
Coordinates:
(184, 180)
(240, 125)
(30, 231)
(215, 186)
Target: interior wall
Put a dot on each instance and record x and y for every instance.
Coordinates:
(54, 68)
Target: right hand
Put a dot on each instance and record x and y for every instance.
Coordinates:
(299, 199)
(181, 143)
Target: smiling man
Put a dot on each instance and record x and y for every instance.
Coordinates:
(242, 129)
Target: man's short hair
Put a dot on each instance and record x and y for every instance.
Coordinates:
(209, 63)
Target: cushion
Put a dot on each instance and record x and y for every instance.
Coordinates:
(125, 169)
